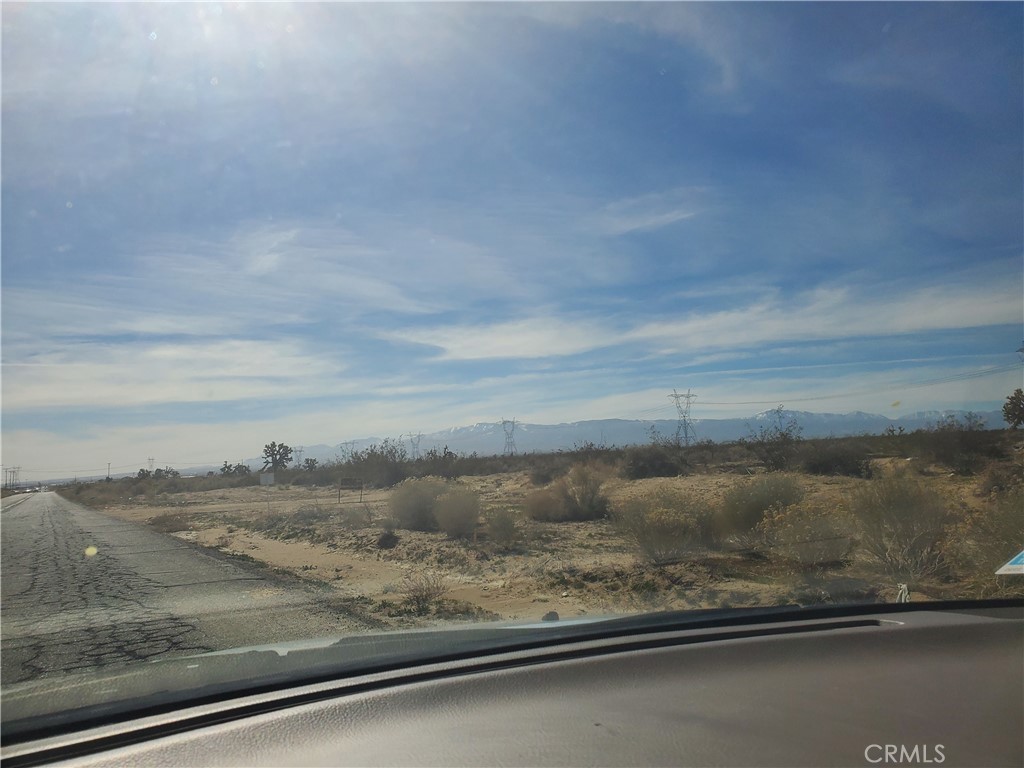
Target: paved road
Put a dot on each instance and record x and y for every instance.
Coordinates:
(80, 589)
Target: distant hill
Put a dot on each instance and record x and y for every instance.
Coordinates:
(489, 438)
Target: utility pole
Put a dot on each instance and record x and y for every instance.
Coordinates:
(684, 428)
(108, 470)
(509, 425)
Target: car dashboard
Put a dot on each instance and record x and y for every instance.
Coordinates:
(916, 684)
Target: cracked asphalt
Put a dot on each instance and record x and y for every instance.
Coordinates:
(80, 589)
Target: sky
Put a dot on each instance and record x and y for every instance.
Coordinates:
(226, 224)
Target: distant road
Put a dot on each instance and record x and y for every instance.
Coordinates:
(80, 589)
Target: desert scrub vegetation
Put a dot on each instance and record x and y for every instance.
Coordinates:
(656, 459)
(457, 512)
(666, 525)
(808, 535)
(776, 443)
(576, 497)
(901, 526)
(412, 503)
(503, 531)
(830, 457)
(745, 504)
(422, 590)
(983, 539)
(169, 523)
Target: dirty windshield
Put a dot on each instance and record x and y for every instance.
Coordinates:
(323, 320)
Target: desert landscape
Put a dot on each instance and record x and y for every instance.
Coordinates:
(580, 534)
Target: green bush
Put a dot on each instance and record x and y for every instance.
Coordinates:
(457, 512)
(412, 503)
(665, 525)
(902, 525)
(744, 505)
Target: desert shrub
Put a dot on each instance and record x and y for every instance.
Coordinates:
(169, 523)
(546, 468)
(656, 459)
(422, 590)
(982, 540)
(582, 494)
(388, 539)
(412, 503)
(311, 514)
(443, 463)
(901, 525)
(545, 505)
(575, 497)
(961, 444)
(1002, 478)
(380, 465)
(837, 458)
(665, 525)
(457, 512)
(744, 506)
(354, 518)
(808, 535)
(502, 529)
(775, 443)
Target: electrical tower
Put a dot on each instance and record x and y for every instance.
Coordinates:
(150, 460)
(298, 456)
(11, 479)
(414, 445)
(509, 425)
(684, 428)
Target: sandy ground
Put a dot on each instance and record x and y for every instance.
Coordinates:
(572, 568)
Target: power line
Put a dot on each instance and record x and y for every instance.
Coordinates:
(920, 384)
(967, 376)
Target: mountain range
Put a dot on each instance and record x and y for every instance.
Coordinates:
(489, 438)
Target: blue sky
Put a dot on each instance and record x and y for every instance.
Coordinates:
(225, 224)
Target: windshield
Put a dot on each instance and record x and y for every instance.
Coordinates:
(334, 321)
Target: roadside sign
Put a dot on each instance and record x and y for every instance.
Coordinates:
(1015, 566)
(266, 478)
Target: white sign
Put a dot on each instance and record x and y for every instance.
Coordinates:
(1015, 566)
(266, 478)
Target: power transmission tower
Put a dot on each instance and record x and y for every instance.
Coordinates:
(150, 461)
(347, 447)
(509, 425)
(298, 456)
(684, 428)
(414, 445)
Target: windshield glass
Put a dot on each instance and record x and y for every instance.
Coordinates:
(335, 320)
